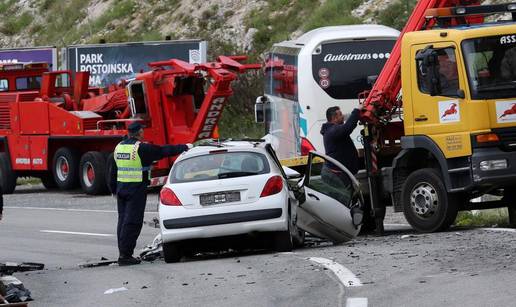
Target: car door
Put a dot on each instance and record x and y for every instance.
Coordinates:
(332, 205)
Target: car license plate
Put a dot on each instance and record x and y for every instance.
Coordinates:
(219, 197)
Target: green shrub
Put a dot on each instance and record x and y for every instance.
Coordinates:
(484, 218)
(396, 14)
(15, 24)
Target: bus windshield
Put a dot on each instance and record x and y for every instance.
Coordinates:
(491, 66)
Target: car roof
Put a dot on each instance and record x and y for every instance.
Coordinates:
(205, 148)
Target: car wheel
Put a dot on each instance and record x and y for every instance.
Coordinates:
(427, 206)
(92, 173)
(298, 235)
(65, 168)
(172, 252)
(7, 175)
(282, 240)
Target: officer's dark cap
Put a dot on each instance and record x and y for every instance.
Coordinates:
(134, 127)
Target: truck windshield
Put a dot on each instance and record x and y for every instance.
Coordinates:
(491, 66)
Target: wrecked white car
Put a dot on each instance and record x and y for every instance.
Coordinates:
(239, 188)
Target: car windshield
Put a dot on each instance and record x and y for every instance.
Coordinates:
(220, 165)
(491, 66)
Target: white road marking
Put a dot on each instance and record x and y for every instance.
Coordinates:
(499, 229)
(79, 233)
(71, 210)
(356, 302)
(346, 277)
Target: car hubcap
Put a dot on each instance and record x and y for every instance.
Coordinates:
(424, 200)
(62, 168)
(88, 174)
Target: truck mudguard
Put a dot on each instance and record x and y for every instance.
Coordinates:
(424, 142)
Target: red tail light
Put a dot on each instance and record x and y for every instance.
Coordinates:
(169, 198)
(306, 147)
(273, 186)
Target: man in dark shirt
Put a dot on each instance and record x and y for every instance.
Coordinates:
(337, 137)
(129, 181)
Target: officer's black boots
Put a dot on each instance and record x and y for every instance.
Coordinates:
(124, 260)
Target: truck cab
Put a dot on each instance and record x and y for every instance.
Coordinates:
(459, 118)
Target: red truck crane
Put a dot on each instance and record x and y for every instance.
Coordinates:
(427, 161)
(62, 131)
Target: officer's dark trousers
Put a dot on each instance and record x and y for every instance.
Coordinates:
(131, 208)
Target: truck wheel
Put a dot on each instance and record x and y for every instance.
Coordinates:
(65, 168)
(109, 167)
(510, 197)
(92, 173)
(48, 181)
(427, 206)
(7, 175)
(172, 252)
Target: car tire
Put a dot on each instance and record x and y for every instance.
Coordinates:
(427, 206)
(92, 173)
(7, 175)
(298, 235)
(65, 168)
(172, 252)
(282, 241)
(48, 181)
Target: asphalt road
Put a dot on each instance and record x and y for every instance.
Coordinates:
(462, 267)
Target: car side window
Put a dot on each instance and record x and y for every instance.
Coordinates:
(448, 73)
(326, 178)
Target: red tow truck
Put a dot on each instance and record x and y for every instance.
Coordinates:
(55, 127)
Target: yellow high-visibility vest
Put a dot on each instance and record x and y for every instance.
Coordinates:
(129, 164)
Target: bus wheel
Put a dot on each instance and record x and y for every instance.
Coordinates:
(7, 175)
(427, 206)
(65, 168)
(92, 173)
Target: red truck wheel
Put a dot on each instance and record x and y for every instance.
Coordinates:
(65, 167)
(93, 173)
(7, 175)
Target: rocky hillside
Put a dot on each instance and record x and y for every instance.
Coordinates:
(229, 26)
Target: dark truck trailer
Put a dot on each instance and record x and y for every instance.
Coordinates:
(110, 63)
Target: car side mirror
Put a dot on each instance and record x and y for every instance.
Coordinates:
(290, 173)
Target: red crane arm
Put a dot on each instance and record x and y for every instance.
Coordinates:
(382, 98)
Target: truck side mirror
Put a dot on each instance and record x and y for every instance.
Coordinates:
(429, 60)
(260, 108)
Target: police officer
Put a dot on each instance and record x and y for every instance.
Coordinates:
(129, 181)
